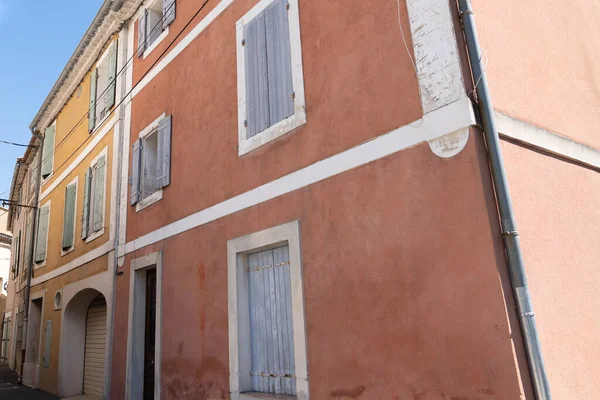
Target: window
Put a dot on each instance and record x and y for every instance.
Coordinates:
(48, 151)
(267, 339)
(92, 219)
(151, 163)
(68, 238)
(42, 234)
(153, 24)
(103, 87)
(270, 78)
(17, 255)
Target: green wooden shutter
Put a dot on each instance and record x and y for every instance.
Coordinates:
(112, 74)
(85, 216)
(17, 258)
(28, 239)
(48, 151)
(99, 172)
(42, 234)
(69, 218)
(92, 112)
(47, 344)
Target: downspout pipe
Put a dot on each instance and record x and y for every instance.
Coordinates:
(31, 247)
(510, 233)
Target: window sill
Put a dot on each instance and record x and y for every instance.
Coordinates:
(94, 235)
(64, 252)
(265, 396)
(156, 42)
(281, 128)
(39, 265)
(149, 200)
(99, 125)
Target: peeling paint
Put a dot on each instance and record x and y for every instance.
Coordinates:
(451, 144)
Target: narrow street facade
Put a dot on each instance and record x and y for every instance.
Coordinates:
(244, 199)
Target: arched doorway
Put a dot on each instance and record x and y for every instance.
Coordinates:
(83, 345)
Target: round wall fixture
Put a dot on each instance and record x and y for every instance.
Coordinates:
(58, 300)
(451, 144)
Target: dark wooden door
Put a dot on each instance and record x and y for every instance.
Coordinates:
(150, 335)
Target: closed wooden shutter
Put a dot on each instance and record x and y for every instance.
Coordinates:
(269, 86)
(257, 92)
(47, 344)
(69, 217)
(47, 152)
(85, 216)
(168, 13)
(112, 76)
(98, 211)
(279, 62)
(42, 234)
(163, 162)
(142, 32)
(95, 342)
(271, 327)
(136, 166)
(27, 253)
(92, 112)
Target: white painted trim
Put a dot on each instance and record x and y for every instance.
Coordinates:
(245, 144)
(88, 149)
(149, 200)
(436, 53)
(137, 291)
(74, 181)
(237, 267)
(84, 259)
(95, 235)
(438, 123)
(156, 42)
(551, 142)
(153, 126)
(185, 42)
(42, 264)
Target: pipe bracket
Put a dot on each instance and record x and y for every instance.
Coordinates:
(510, 233)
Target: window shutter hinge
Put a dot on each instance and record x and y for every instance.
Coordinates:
(243, 42)
(245, 123)
(293, 95)
(287, 6)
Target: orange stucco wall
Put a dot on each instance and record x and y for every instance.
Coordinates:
(556, 205)
(543, 65)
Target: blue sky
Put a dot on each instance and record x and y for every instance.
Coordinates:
(37, 38)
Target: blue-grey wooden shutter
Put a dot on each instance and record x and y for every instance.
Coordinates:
(69, 218)
(168, 13)
(92, 111)
(99, 173)
(257, 92)
(18, 255)
(271, 327)
(48, 151)
(279, 62)
(28, 239)
(42, 234)
(85, 216)
(136, 166)
(142, 21)
(163, 162)
(47, 344)
(112, 76)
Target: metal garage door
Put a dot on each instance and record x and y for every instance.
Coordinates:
(95, 341)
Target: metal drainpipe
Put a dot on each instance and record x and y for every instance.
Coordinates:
(31, 248)
(505, 208)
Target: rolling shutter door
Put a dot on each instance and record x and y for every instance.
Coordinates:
(95, 341)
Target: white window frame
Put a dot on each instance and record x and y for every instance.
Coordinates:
(237, 272)
(74, 181)
(46, 179)
(42, 264)
(94, 235)
(103, 57)
(158, 194)
(298, 118)
(136, 325)
(160, 38)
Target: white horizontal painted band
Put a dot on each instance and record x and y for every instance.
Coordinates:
(84, 259)
(98, 136)
(545, 140)
(438, 123)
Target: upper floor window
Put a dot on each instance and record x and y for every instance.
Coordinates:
(42, 233)
(103, 87)
(94, 207)
(270, 78)
(48, 151)
(151, 163)
(153, 24)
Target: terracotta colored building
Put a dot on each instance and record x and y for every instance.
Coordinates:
(311, 210)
